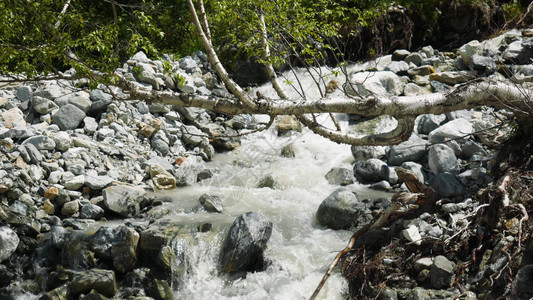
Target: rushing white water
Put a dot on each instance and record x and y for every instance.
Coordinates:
(300, 250)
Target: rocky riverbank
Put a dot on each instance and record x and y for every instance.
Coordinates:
(76, 161)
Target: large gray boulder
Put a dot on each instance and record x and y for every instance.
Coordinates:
(455, 129)
(340, 209)
(68, 117)
(9, 241)
(123, 200)
(243, 247)
(370, 171)
(441, 158)
(411, 150)
(447, 185)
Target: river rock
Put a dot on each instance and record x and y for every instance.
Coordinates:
(243, 247)
(339, 210)
(398, 67)
(74, 183)
(9, 241)
(400, 54)
(33, 153)
(211, 203)
(123, 200)
(42, 105)
(483, 64)
(446, 185)
(371, 170)
(41, 142)
(429, 122)
(24, 93)
(70, 208)
(340, 176)
(516, 53)
(68, 117)
(367, 152)
(523, 282)
(455, 129)
(384, 84)
(416, 168)
(13, 117)
(161, 178)
(442, 272)
(98, 183)
(100, 280)
(124, 249)
(415, 58)
(441, 158)
(62, 140)
(91, 211)
(411, 150)
(452, 77)
(468, 50)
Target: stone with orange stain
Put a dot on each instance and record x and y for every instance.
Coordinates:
(49, 207)
(180, 160)
(51, 193)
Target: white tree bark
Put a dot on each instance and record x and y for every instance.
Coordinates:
(404, 109)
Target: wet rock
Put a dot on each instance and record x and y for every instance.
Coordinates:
(91, 211)
(523, 282)
(267, 182)
(441, 158)
(159, 289)
(456, 129)
(288, 151)
(124, 249)
(442, 272)
(411, 150)
(68, 117)
(6, 276)
(371, 170)
(446, 185)
(243, 247)
(211, 203)
(58, 236)
(100, 280)
(123, 200)
(339, 210)
(9, 241)
(340, 176)
(285, 124)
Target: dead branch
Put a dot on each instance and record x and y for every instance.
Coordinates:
(419, 194)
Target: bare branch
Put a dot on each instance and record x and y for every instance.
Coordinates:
(215, 62)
